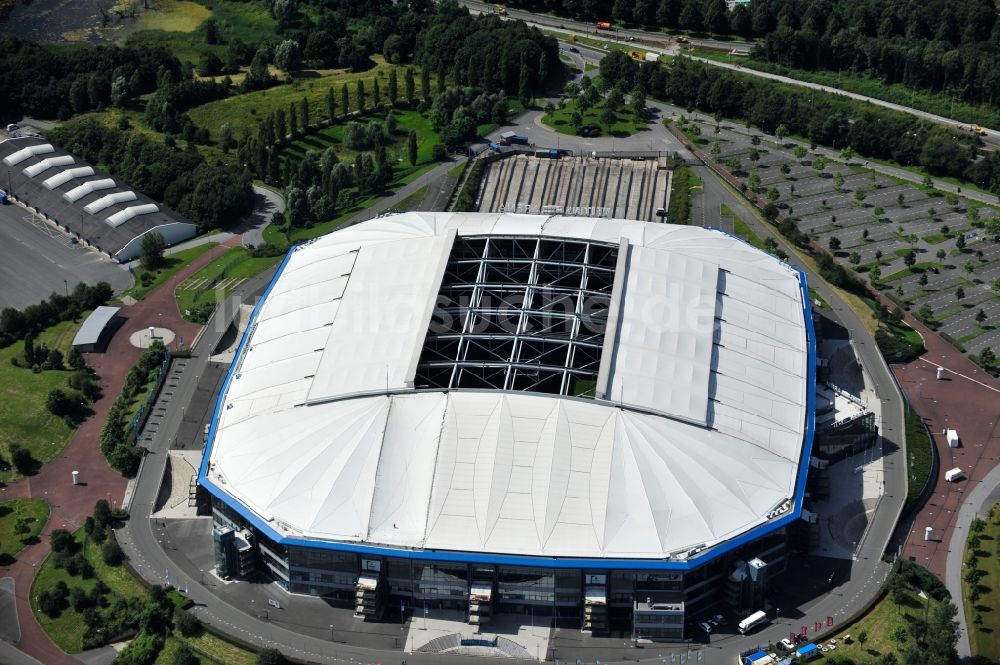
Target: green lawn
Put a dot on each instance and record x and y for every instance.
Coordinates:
(23, 416)
(918, 454)
(936, 238)
(68, 628)
(983, 615)
(244, 112)
(180, 26)
(905, 272)
(227, 270)
(626, 122)
(887, 625)
(34, 511)
(742, 229)
(173, 263)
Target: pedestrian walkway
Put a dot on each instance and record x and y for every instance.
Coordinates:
(71, 504)
(965, 399)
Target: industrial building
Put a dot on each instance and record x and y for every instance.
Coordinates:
(607, 422)
(87, 204)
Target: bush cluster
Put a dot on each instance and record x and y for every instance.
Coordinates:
(116, 442)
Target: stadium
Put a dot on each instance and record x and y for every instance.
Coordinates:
(606, 422)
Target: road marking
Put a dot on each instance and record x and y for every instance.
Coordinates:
(984, 385)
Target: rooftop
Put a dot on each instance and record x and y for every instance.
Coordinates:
(332, 426)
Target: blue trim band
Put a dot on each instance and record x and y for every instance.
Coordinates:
(535, 561)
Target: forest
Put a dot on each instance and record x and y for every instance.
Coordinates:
(825, 119)
(211, 195)
(949, 46)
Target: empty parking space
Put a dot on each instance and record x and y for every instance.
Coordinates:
(35, 259)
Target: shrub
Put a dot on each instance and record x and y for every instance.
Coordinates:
(111, 553)
(269, 657)
(186, 623)
(22, 459)
(62, 541)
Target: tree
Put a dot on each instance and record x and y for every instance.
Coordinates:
(376, 94)
(854, 258)
(987, 358)
(909, 258)
(715, 149)
(980, 316)
(55, 359)
(410, 86)
(62, 541)
(287, 56)
(753, 182)
(304, 114)
(151, 250)
(362, 102)
(293, 120)
(799, 152)
(959, 293)
(331, 105)
(212, 32)
(785, 169)
(773, 194)
(186, 623)
(524, 85)
(862, 637)
(425, 83)
(960, 241)
(393, 90)
(781, 132)
(225, 137)
(941, 254)
(184, 656)
(269, 657)
(22, 459)
(345, 100)
(111, 553)
(733, 164)
(923, 279)
(411, 147)
(834, 243)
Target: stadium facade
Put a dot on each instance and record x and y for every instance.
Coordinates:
(604, 421)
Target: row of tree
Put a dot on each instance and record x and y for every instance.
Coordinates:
(824, 119)
(211, 195)
(941, 45)
(15, 324)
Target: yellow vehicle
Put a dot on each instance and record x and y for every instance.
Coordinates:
(976, 129)
(637, 55)
(571, 39)
(502, 10)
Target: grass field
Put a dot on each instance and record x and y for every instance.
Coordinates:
(174, 263)
(918, 455)
(220, 277)
(244, 112)
(174, 16)
(34, 511)
(887, 625)
(219, 650)
(180, 26)
(626, 121)
(68, 628)
(983, 615)
(742, 229)
(23, 416)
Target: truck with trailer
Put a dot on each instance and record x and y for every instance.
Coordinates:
(756, 619)
(510, 138)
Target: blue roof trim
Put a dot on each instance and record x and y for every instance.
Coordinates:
(203, 469)
(536, 561)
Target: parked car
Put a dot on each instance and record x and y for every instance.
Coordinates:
(787, 644)
(719, 619)
(705, 627)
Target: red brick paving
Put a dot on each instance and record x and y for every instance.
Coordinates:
(70, 504)
(958, 402)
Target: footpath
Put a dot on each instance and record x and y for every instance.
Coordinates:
(71, 504)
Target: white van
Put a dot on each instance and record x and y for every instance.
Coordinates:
(954, 474)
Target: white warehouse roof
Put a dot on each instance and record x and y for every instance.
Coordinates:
(327, 431)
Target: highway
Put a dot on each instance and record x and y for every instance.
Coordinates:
(667, 45)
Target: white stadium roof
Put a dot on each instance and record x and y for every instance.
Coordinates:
(325, 432)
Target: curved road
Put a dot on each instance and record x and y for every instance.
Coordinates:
(650, 41)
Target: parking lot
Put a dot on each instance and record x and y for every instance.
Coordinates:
(871, 222)
(37, 259)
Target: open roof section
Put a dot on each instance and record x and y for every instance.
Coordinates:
(520, 313)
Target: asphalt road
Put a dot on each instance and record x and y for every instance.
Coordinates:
(992, 136)
(36, 258)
